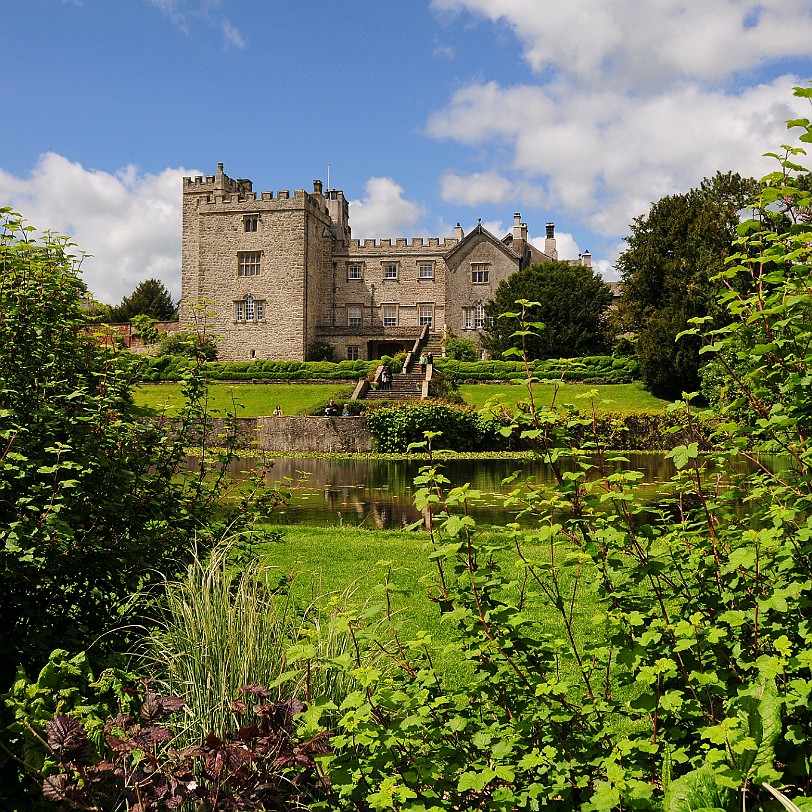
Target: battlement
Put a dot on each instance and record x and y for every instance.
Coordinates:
(376, 245)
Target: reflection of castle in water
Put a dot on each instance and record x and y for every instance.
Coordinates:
(379, 493)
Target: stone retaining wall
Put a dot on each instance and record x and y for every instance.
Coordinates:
(297, 433)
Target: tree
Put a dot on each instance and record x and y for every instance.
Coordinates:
(89, 508)
(668, 270)
(572, 304)
(150, 298)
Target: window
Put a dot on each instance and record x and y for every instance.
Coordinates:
(248, 263)
(474, 317)
(479, 317)
(354, 271)
(425, 315)
(390, 270)
(249, 309)
(250, 222)
(354, 316)
(425, 270)
(390, 315)
(353, 353)
(480, 272)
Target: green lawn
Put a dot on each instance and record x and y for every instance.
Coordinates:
(256, 400)
(253, 400)
(333, 559)
(623, 398)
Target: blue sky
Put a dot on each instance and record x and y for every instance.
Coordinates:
(429, 112)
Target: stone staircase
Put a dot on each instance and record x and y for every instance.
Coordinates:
(434, 345)
(406, 386)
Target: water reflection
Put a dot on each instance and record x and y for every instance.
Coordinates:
(379, 493)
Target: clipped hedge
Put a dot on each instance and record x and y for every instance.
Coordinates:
(172, 368)
(589, 369)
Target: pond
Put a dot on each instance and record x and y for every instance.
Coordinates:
(379, 493)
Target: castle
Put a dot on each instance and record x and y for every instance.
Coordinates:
(282, 273)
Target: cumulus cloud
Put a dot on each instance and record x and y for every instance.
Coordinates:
(383, 211)
(487, 187)
(633, 101)
(130, 222)
(605, 156)
(648, 45)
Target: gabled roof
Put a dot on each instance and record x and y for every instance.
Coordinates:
(536, 254)
(478, 234)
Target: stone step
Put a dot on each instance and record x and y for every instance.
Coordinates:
(392, 395)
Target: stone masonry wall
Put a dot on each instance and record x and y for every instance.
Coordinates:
(329, 435)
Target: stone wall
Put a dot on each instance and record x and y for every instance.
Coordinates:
(328, 435)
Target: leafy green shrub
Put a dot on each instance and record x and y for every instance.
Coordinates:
(460, 349)
(320, 351)
(91, 508)
(396, 427)
(145, 329)
(189, 344)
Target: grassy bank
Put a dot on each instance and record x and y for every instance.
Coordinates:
(251, 400)
(625, 398)
(256, 400)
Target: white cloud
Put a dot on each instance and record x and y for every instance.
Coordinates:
(632, 101)
(604, 156)
(182, 12)
(487, 187)
(129, 221)
(232, 34)
(647, 45)
(383, 211)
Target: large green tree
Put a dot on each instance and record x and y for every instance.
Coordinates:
(572, 300)
(668, 269)
(150, 298)
(89, 509)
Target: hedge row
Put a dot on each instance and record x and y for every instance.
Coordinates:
(172, 368)
(589, 369)
(462, 428)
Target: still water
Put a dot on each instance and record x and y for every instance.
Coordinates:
(379, 493)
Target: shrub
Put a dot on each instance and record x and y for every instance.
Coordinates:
(188, 344)
(145, 329)
(320, 351)
(396, 427)
(460, 349)
(588, 369)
